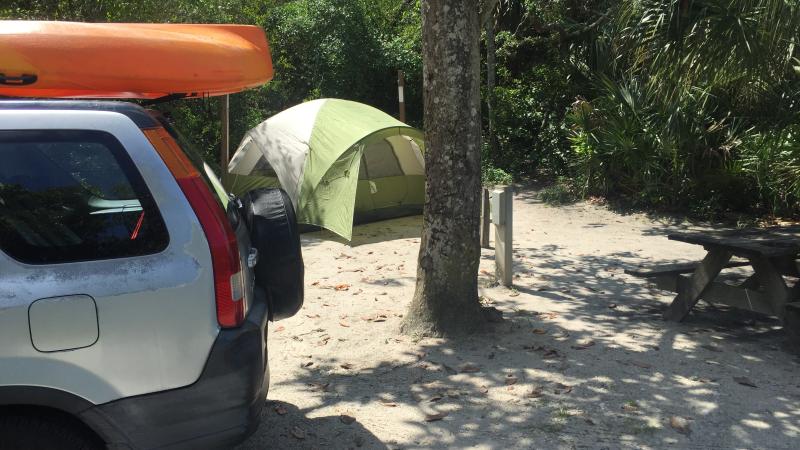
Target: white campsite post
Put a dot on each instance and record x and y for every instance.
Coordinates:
(401, 95)
(501, 200)
(224, 119)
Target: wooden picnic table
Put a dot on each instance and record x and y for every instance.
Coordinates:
(771, 288)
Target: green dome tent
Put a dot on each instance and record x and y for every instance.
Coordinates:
(339, 161)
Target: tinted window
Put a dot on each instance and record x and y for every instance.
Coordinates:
(73, 196)
(207, 173)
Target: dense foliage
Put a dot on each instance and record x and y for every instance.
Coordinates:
(693, 104)
(683, 104)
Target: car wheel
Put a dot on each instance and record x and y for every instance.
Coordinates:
(42, 432)
(272, 223)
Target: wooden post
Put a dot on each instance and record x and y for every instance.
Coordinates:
(485, 218)
(502, 199)
(401, 95)
(224, 119)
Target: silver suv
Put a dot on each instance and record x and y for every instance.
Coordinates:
(134, 292)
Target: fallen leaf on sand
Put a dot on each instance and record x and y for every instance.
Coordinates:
(376, 318)
(298, 433)
(535, 392)
(388, 403)
(344, 324)
(744, 381)
(551, 353)
(347, 420)
(315, 283)
(341, 287)
(680, 425)
(281, 410)
(562, 388)
(434, 417)
(279, 328)
(312, 316)
(642, 364)
(539, 331)
(711, 347)
(307, 364)
(584, 345)
(511, 379)
(468, 368)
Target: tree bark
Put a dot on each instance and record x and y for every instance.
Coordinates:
(491, 70)
(446, 298)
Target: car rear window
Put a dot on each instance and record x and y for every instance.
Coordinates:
(73, 195)
(206, 172)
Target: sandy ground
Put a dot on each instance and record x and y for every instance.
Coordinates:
(583, 359)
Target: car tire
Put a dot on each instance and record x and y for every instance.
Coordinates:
(271, 220)
(42, 432)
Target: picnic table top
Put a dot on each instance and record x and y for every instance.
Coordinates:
(768, 242)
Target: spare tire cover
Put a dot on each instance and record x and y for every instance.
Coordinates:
(272, 222)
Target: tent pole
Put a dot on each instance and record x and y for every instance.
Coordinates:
(401, 84)
(224, 119)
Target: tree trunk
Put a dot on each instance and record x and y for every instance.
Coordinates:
(490, 78)
(446, 297)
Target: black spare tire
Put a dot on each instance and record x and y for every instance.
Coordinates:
(270, 217)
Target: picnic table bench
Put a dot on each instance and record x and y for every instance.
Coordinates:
(771, 288)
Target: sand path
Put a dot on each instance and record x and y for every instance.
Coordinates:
(583, 359)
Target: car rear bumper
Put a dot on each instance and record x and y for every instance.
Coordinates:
(219, 410)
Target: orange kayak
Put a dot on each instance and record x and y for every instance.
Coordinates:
(125, 60)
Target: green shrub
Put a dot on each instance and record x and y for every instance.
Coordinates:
(493, 176)
(562, 192)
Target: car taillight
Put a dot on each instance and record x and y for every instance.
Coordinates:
(228, 277)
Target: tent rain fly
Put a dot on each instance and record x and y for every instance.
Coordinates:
(338, 160)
